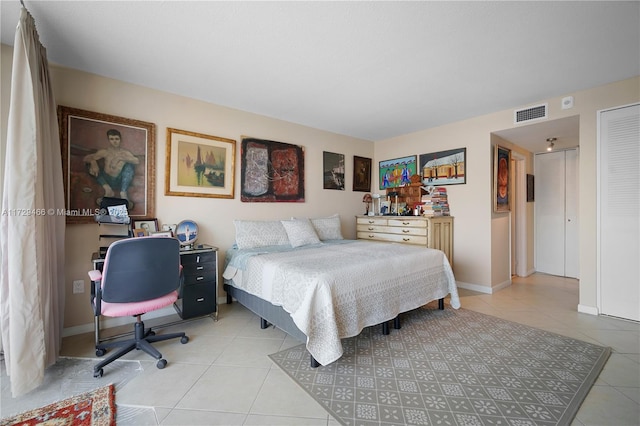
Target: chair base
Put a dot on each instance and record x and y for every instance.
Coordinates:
(142, 341)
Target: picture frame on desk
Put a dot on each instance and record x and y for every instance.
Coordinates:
(148, 225)
(139, 232)
(167, 234)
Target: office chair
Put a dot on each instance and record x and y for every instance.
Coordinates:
(139, 275)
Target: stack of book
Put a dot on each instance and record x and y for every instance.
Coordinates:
(436, 203)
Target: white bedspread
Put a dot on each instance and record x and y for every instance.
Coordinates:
(333, 291)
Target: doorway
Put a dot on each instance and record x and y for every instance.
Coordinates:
(532, 138)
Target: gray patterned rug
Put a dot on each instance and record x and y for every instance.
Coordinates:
(452, 367)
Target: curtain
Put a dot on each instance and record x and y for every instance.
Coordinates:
(32, 224)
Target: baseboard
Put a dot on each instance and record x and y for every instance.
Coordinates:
(500, 286)
(482, 288)
(115, 322)
(474, 287)
(591, 310)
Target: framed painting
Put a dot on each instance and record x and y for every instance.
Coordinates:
(444, 167)
(271, 171)
(397, 172)
(361, 174)
(501, 186)
(199, 165)
(333, 170)
(106, 156)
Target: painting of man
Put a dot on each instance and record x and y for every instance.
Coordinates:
(118, 169)
(106, 156)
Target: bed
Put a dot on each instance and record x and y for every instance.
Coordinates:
(301, 276)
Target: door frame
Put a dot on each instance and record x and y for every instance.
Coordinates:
(519, 228)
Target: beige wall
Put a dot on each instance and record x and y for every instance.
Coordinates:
(214, 216)
(481, 237)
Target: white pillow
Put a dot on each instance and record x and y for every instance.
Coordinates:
(328, 228)
(300, 232)
(259, 233)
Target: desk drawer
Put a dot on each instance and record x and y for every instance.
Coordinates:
(199, 276)
(197, 300)
(197, 258)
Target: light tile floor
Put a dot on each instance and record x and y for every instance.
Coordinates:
(224, 377)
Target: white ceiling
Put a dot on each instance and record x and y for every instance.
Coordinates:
(367, 69)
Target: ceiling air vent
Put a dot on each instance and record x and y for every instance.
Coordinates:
(531, 113)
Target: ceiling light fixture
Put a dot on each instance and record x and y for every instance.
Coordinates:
(551, 143)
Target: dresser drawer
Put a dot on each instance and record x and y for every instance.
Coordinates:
(371, 220)
(371, 228)
(394, 238)
(404, 222)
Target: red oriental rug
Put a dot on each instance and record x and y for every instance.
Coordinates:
(93, 408)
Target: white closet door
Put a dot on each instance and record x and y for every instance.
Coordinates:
(550, 217)
(619, 208)
(557, 248)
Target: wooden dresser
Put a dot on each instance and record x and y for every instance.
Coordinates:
(433, 232)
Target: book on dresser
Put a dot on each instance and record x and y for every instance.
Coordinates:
(434, 232)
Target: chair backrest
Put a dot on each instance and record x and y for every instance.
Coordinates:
(138, 269)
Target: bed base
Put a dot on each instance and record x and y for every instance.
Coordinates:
(275, 315)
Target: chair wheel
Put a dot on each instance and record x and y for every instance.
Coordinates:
(98, 373)
(184, 339)
(100, 352)
(161, 364)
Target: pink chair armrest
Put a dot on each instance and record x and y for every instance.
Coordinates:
(95, 275)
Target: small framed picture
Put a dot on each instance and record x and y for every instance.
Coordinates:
(149, 225)
(161, 234)
(139, 232)
(171, 227)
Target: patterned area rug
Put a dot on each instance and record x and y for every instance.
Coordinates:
(66, 378)
(93, 408)
(452, 367)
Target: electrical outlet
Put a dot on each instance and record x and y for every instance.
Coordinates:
(78, 286)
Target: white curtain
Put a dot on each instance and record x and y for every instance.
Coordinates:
(32, 224)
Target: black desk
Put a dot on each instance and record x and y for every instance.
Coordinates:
(198, 294)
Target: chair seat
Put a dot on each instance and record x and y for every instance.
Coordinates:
(137, 308)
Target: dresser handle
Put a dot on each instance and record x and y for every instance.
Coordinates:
(406, 231)
(198, 259)
(200, 299)
(406, 223)
(371, 236)
(372, 222)
(370, 228)
(406, 239)
(199, 278)
(199, 268)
